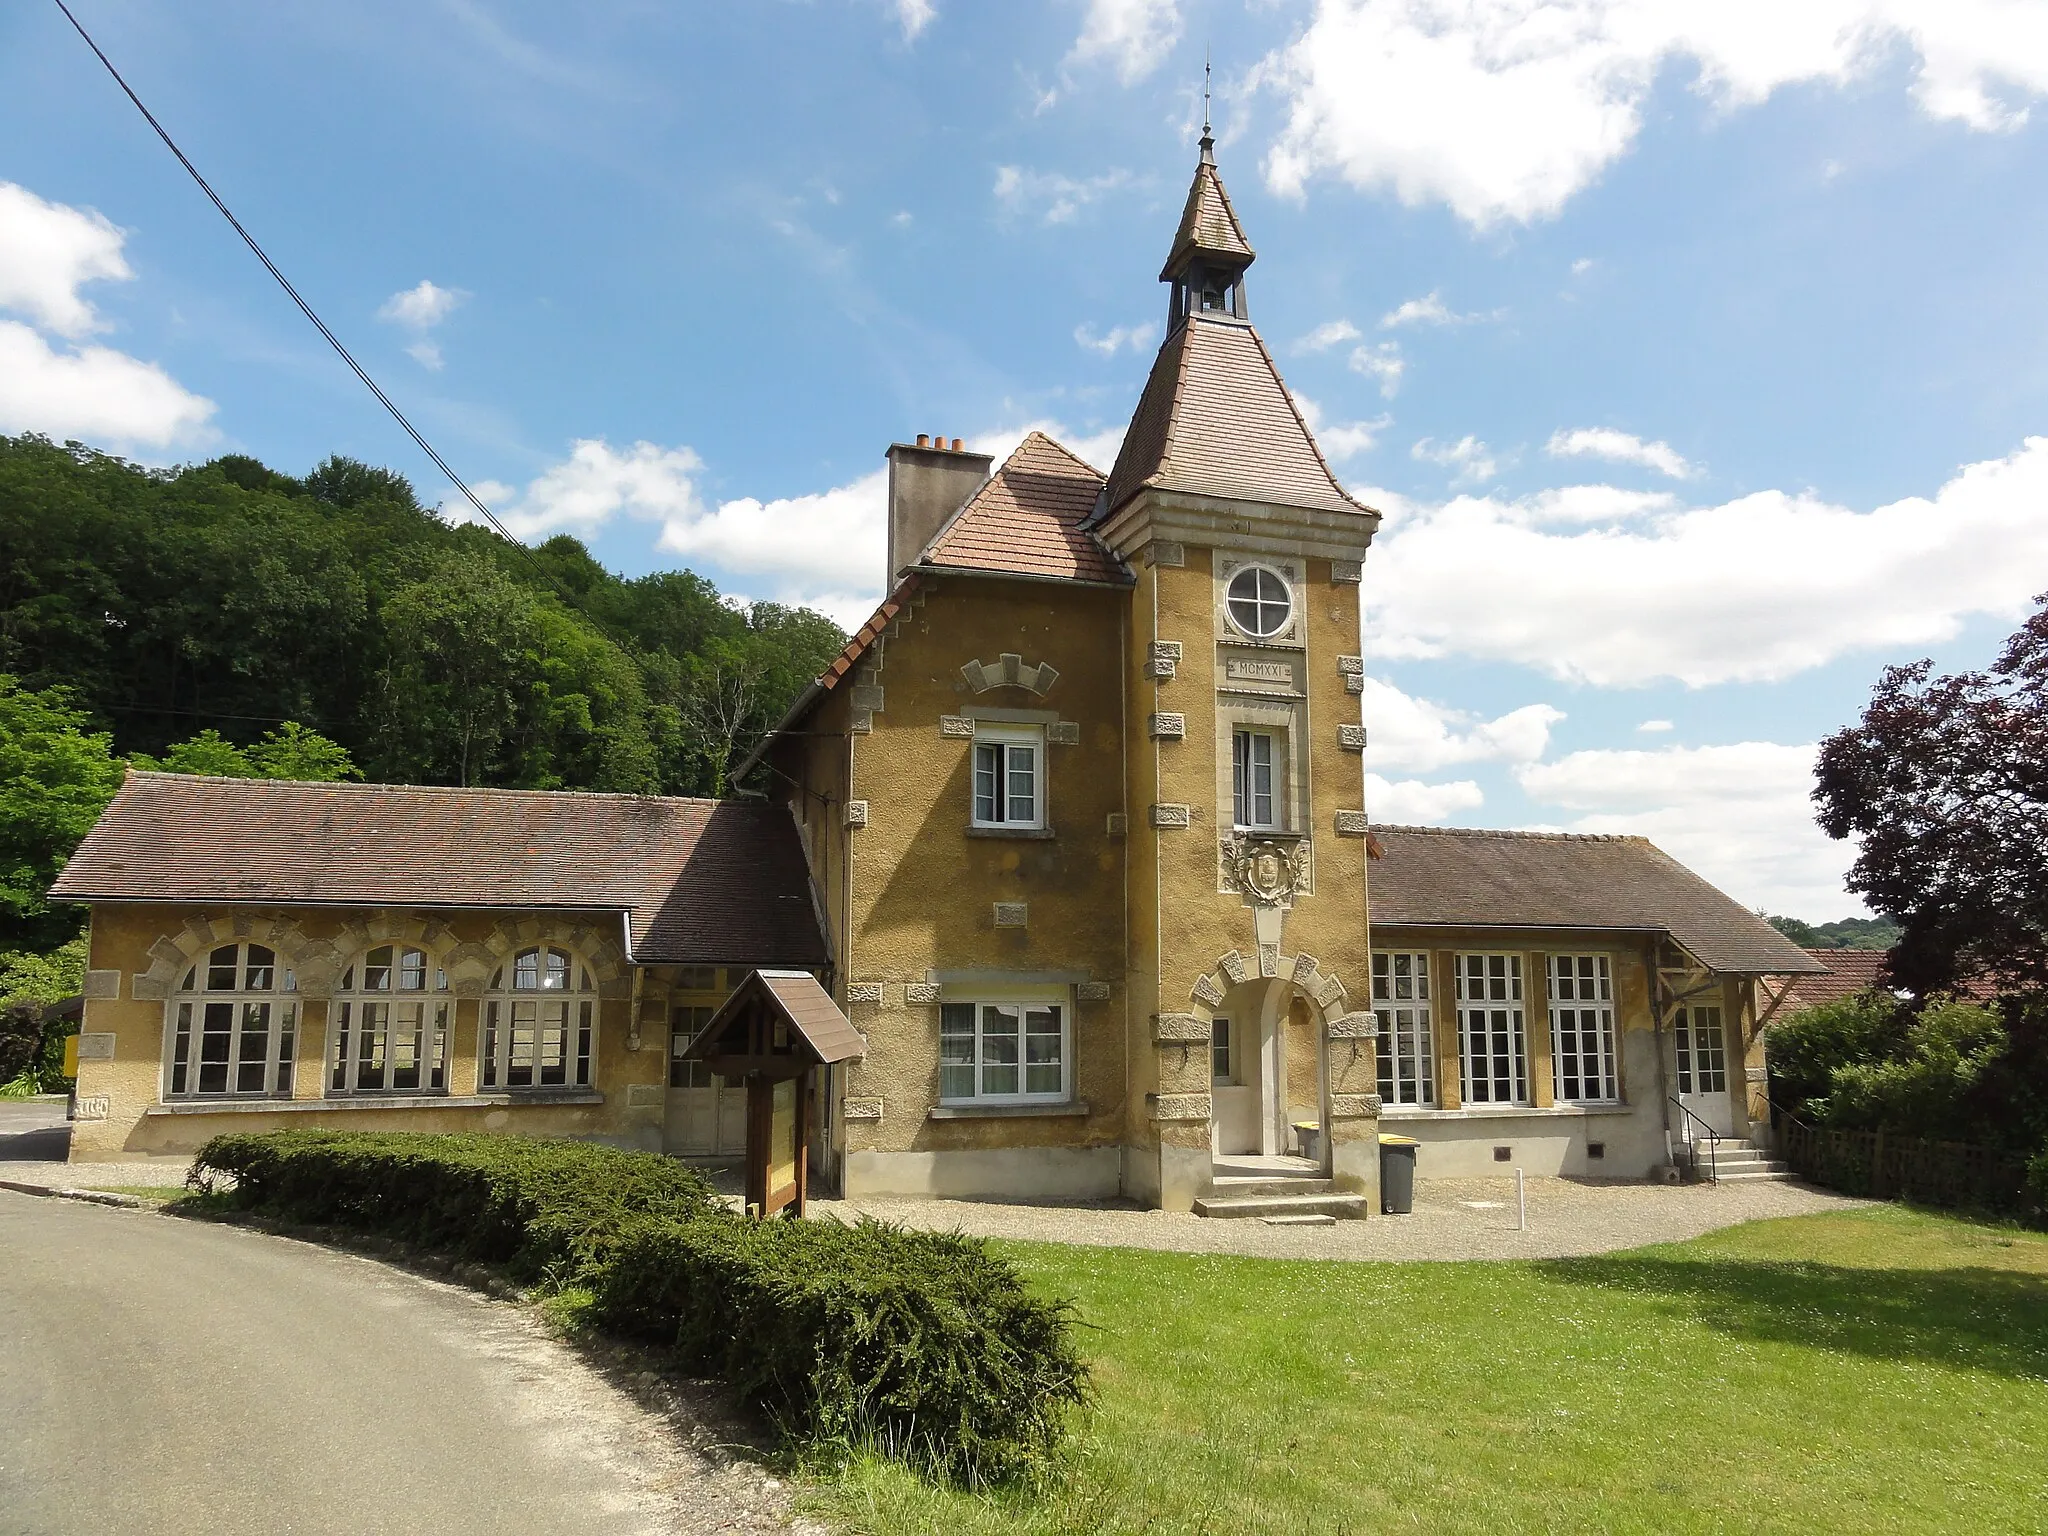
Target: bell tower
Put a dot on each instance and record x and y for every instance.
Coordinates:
(1250, 972)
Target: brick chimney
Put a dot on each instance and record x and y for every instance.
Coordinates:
(929, 481)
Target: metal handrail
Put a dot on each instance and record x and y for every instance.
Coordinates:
(1713, 1143)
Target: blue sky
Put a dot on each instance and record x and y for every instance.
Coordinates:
(1697, 353)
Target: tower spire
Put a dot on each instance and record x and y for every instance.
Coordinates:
(1208, 138)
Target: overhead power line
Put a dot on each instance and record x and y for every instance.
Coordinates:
(355, 367)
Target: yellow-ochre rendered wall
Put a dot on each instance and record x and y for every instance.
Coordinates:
(922, 909)
(138, 955)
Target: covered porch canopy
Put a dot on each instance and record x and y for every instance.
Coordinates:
(775, 1028)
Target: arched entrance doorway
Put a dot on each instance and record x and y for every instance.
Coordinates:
(1266, 1069)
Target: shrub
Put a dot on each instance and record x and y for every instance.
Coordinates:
(539, 1207)
(923, 1345)
(1922, 1089)
(1807, 1047)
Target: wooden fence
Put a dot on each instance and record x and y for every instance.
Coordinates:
(1951, 1174)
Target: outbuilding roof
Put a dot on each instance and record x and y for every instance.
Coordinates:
(1216, 420)
(1455, 877)
(699, 881)
(1026, 520)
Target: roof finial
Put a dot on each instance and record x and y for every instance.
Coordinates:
(1205, 92)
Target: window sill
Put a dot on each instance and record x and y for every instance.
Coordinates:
(1504, 1112)
(1073, 1107)
(1041, 834)
(386, 1101)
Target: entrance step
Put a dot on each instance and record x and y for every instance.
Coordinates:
(1305, 1219)
(1338, 1207)
(1239, 1184)
(1763, 1173)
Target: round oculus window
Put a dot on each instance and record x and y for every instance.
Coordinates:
(1259, 603)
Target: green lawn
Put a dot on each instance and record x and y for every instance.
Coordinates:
(1881, 1370)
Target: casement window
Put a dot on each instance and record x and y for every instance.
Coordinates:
(685, 1024)
(1407, 1043)
(233, 1026)
(1259, 603)
(1492, 1033)
(389, 1022)
(539, 1022)
(1254, 806)
(1702, 1050)
(1002, 1052)
(1009, 779)
(1222, 1062)
(1582, 1044)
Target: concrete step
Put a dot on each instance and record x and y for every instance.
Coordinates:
(1305, 1219)
(1769, 1173)
(1234, 1184)
(1241, 1207)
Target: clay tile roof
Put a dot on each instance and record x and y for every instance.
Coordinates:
(1445, 877)
(1850, 971)
(699, 881)
(1026, 520)
(1216, 420)
(863, 637)
(1207, 222)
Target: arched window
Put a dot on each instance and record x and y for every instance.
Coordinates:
(539, 1022)
(390, 1024)
(234, 1026)
(1259, 602)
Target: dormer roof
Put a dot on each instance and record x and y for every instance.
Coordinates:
(1027, 521)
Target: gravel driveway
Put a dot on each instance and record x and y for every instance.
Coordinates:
(1453, 1219)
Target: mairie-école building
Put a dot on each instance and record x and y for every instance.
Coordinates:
(1073, 833)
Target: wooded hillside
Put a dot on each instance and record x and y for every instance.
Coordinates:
(229, 596)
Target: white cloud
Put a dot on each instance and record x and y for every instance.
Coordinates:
(1655, 727)
(1413, 803)
(1593, 504)
(1341, 440)
(588, 489)
(1329, 334)
(421, 308)
(1738, 815)
(48, 251)
(426, 353)
(914, 16)
(1117, 337)
(1051, 196)
(1755, 589)
(1472, 460)
(95, 394)
(1133, 35)
(1619, 448)
(1407, 734)
(1427, 310)
(1382, 362)
(1582, 266)
(825, 550)
(1505, 109)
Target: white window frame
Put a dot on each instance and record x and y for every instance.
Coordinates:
(1493, 1029)
(1260, 601)
(248, 992)
(1007, 743)
(985, 1007)
(1694, 1075)
(373, 1005)
(1244, 790)
(571, 1005)
(1404, 1014)
(1584, 1047)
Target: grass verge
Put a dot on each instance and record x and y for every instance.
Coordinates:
(1880, 1369)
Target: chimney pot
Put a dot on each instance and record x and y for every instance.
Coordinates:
(956, 445)
(924, 439)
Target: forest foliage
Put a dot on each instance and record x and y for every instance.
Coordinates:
(229, 597)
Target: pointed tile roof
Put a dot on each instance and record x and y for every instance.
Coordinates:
(1208, 222)
(1216, 420)
(1026, 520)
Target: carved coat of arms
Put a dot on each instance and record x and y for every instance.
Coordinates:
(1268, 870)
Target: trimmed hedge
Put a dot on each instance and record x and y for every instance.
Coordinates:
(923, 1345)
(537, 1207)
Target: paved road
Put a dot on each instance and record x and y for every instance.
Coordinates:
(33, 1131)
(162, 1375)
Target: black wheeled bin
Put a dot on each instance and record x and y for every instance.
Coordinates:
(1397, 1175)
